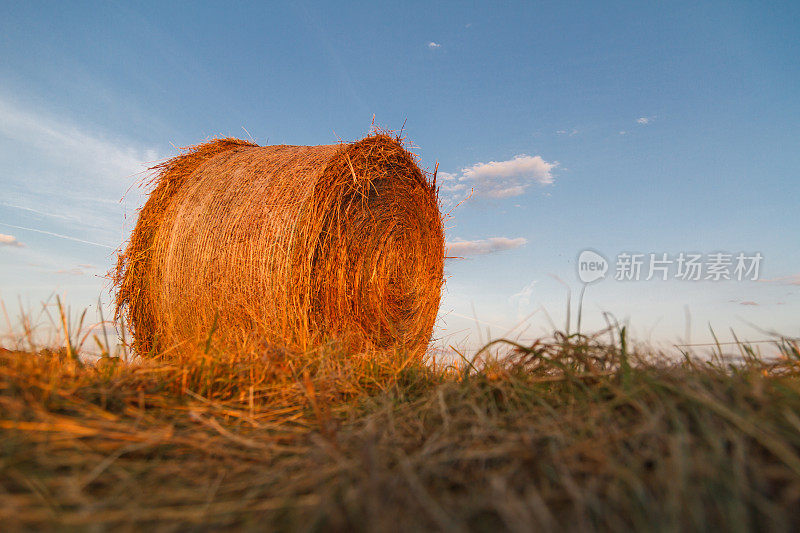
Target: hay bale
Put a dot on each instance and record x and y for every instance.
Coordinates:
(285, 245)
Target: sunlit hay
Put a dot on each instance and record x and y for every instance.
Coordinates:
(285, 246)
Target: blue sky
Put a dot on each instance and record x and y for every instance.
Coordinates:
(619, 127)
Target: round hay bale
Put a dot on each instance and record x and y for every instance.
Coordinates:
(285, 245)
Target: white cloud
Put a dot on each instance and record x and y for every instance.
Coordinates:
(623, 133)
(448, 183)
(462, 248)
(502, 179)
(10, 240)
(522, 166)
(433, 45)
(453, 187)
(644, 120)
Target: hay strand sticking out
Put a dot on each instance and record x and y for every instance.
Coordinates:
(285, 245)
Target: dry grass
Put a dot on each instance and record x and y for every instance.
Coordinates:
(570, 434)
(289, 246)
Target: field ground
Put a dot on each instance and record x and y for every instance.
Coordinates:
(571, 434)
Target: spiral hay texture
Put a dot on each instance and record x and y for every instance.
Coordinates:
(286, 246)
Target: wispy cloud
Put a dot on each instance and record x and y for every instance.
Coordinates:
(71, 272)
(501, 179)
(434, 45)
(644, 120)
(462, 248)
(10, 240)
(793, 279)
(330, 47)
(748, 302)
(69, 144)
(64, 177)
(39, 212)
(58, 235)
(522, 300)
